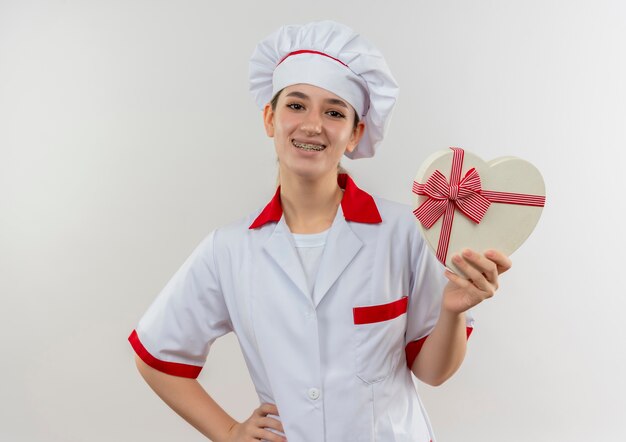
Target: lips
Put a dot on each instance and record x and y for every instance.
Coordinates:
(308, 146)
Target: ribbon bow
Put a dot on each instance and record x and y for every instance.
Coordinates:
(464, 195)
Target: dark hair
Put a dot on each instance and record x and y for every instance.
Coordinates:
(274, 102)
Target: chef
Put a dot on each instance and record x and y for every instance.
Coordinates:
(334, 297)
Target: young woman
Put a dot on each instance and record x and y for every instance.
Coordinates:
(333, 295)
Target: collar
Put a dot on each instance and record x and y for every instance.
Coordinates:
(356, 204)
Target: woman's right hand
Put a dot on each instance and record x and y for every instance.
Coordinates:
(254, 428)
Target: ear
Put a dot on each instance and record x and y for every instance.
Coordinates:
(357, 134)
(268, 120)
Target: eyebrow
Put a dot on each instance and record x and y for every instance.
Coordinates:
(304, 96)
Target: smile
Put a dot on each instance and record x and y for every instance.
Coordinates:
(307, 146)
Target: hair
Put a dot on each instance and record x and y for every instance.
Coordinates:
(340, 168)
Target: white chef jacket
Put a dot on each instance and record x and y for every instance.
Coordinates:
(336, 364)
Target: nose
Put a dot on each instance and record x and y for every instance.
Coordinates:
(311, 124)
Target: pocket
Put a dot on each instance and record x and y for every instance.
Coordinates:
(379, 338)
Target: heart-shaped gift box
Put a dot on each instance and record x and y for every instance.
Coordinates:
(464, 202)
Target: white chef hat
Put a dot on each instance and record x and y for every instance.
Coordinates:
(332, 56)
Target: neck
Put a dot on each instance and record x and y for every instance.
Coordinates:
(309, 205)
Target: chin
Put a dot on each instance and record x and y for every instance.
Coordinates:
(307, 173)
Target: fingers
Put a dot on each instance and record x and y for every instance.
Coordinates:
(270, 422)
(265, 409)
(480, 271)
(263, 421)
(263, 413)
(484, 265)
(268, 436)
(259, 426)
(484, 262)
(458, 280)
(503, 263)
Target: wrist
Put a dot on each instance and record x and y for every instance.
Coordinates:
(230, 431)
(450, 316)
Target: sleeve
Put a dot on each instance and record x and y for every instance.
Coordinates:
(426, 290)
(175, 333)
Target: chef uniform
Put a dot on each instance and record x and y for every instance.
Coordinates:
(331, 346)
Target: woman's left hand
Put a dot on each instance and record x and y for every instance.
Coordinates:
(482, 271)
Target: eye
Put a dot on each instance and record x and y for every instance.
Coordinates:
(335, 114)
(295, 106)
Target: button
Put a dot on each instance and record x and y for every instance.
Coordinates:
(314, 393)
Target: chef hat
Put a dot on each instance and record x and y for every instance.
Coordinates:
(331, 56)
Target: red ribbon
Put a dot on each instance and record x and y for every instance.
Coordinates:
(464, 194)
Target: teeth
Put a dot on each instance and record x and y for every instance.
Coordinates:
(306, 146)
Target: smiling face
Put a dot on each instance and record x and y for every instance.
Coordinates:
(312, 128)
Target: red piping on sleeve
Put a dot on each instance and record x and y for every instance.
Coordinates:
(413, 348)
(172, 368)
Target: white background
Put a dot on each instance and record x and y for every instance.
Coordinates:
(127, 133)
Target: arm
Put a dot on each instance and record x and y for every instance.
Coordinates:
(444, 350)
(187, 398)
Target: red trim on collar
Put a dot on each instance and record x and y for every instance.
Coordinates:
(272, 212)
(357, 205)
